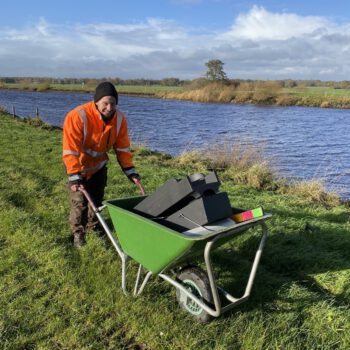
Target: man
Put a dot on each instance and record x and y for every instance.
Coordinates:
(89, 131)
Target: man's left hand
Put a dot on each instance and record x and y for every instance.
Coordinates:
(134, 176)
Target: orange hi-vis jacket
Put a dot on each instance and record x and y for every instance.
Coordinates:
(87, 138)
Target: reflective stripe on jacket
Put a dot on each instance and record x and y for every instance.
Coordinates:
(87, 138)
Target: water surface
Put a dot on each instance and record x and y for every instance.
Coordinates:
(302, 142)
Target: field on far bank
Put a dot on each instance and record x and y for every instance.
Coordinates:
(317, 91)
(150, 90)
(53, 296)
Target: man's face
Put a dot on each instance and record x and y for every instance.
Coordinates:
(106, 106)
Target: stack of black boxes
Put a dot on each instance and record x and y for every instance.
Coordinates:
(187, 203)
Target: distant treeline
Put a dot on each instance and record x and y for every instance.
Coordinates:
(89, 81)
(199, 82)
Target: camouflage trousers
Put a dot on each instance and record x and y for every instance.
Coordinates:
(82, 217)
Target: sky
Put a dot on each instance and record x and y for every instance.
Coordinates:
(272, 39)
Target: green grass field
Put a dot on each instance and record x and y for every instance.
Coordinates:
(53, 296)
(318, 92)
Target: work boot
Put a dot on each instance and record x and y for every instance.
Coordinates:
(79, 240)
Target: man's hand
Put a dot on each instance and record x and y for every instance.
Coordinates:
(134, 176)
(74, 182)
(75, 187)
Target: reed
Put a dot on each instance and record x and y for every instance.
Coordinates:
(260, 92)
(245, 163)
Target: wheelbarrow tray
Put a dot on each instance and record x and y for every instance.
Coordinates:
(157, 247)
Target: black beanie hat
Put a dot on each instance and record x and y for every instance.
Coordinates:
(105, 89)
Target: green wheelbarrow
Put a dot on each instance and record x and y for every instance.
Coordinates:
(167, 253)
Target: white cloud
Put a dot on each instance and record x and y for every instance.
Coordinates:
(43, 27)
(259, 45)
(260, 24)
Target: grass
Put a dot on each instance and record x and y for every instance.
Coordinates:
(55, 297)
(317, 91)
(149, 90)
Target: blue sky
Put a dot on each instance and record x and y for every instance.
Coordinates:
(174, 38)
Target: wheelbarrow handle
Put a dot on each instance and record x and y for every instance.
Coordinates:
(91, 202)
(88, 197)
(109, 233)
(138, 184)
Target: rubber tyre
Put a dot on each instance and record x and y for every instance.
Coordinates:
(196, 280)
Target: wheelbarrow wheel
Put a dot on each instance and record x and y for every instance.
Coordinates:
(196, 281)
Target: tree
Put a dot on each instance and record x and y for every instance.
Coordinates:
(170, 82)
(215, 70)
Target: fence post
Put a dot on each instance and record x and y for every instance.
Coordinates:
(13, 112)
(37, 112)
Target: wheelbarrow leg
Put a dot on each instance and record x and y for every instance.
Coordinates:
(124, 271)
(217, 310)
(148, 275)
(234, 301)
(213, 286)
(256, 260)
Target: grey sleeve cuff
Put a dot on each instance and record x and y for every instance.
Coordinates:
(129, 171)
(74, 177)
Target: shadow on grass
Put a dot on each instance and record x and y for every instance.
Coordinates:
(288, 258)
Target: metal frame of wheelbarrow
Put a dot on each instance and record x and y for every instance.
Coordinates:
(124, 258)
(217, 310)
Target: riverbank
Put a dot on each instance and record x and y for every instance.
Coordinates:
(53, 296)
(258, 93)
(263, 94)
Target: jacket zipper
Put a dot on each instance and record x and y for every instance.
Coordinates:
(108, 137)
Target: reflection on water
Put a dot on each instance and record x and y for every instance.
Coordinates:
(303, 142)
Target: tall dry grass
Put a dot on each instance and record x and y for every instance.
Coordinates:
(244, 92)
(241, 162)
(214, 92)
(258, 92)
(287, 100)
(245, 163)
(314, 191)
(3, 110)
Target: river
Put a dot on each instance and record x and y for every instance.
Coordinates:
(302, 142)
